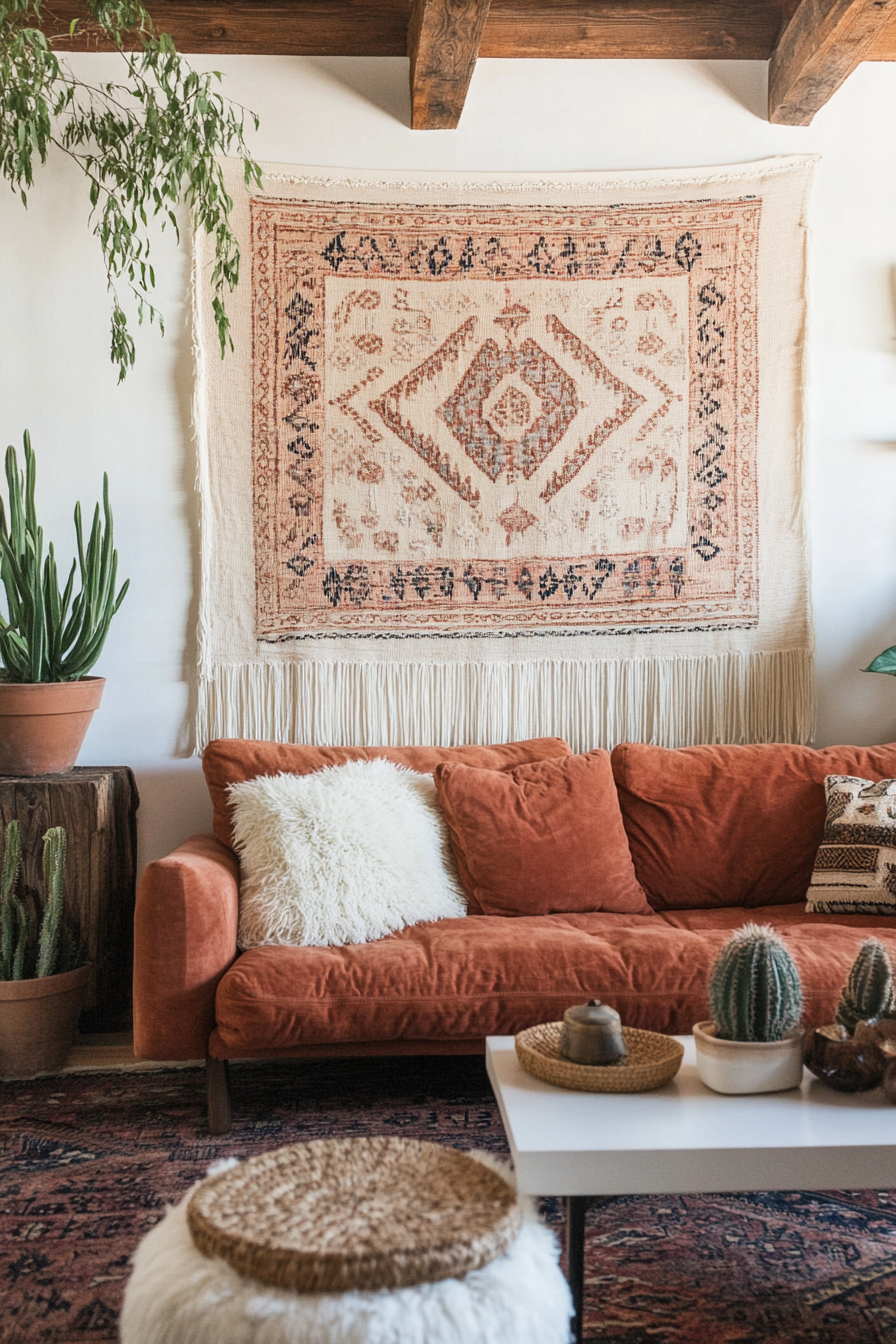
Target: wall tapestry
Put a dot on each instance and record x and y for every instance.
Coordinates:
(500, 456)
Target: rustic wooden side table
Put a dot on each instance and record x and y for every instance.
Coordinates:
(97, 805)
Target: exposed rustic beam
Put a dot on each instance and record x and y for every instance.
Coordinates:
(883, 48)
(586, 29)
(822, 44)
(259, 27)
(443, 43)
(697, 30)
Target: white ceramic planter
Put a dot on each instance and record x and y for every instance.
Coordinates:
(738, 1067)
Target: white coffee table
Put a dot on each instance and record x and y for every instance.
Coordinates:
(684, 1139)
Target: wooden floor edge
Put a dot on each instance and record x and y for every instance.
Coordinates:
(115, 1050)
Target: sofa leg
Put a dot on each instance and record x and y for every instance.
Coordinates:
(217, 1088)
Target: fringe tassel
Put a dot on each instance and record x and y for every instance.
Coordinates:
(670, 702)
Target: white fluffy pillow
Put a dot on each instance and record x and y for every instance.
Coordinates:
(344, 855)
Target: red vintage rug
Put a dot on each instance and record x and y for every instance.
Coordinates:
(88, 1162)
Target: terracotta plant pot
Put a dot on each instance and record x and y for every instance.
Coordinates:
(38, 1021)
(739, 1067)
(42, 724)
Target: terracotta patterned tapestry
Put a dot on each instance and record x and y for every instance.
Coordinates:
(535, 443)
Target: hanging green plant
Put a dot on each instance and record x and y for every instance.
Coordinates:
(146, 144)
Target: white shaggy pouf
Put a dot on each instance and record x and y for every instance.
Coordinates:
(178, 1296)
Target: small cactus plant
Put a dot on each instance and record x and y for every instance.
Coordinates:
(25, 952)
(754, 987)
(16, 919)
(869, 990)
(48, 945)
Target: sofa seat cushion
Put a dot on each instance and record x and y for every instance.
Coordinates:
(485, 975)
(230, 760)
(731, 826)
(823, 946)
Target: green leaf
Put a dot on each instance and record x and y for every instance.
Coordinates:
(884, 662)
(146, 145)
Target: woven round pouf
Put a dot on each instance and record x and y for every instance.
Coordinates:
(337, 1214)
(351, 1241)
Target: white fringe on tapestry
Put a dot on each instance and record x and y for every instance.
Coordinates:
(670, 702)
(708, 680)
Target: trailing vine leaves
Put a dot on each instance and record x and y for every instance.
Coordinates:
(145, 144)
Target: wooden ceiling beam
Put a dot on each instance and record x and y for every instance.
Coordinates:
(574, 29)
(259, 27)
(822, 44)
(883, 47)
(742, 30)
(443, 44)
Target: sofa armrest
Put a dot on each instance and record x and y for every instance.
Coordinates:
(185, 927)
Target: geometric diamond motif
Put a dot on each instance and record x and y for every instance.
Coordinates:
(463, 411)
(511, 412)
(516, 519)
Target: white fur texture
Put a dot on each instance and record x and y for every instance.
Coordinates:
(344, 855)
(178, 1296)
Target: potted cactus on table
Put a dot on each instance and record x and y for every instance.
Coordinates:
(754, 1042)
(869, 990)
(852, 1053)
(43, 970)
(50, 639)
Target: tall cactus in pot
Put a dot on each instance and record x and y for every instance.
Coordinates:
(48, 635)
(37, 1028)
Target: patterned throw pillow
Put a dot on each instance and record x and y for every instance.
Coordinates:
(855, 867)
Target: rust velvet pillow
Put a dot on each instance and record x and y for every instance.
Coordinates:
(721, 826)
(540, 838)
(230, 760)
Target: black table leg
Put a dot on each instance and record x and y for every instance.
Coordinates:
(575, 1257)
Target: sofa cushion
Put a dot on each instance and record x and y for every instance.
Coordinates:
(344, 855)
(541, 838)
(731, 826)
(229, 760)
(855, 867)
(465, 979)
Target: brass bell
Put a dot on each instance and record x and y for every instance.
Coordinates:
(592, 1034)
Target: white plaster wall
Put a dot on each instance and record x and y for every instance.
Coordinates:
(55, 376)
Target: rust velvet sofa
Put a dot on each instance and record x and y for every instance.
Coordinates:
(718, 835)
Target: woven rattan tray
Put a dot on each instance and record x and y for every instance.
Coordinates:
(652, 1061)
(337, 1214)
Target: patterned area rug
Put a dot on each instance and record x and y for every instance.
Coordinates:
(89, 1161)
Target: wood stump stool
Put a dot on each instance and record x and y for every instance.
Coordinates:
(97, 805)
(350, 1241)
